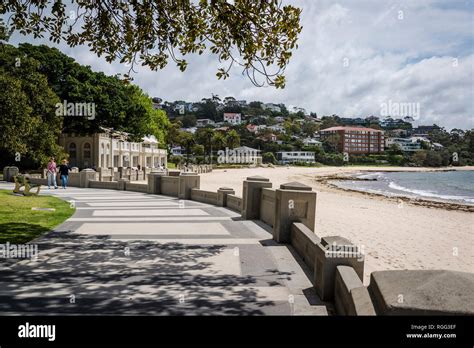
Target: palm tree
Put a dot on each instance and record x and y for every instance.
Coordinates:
(187, 141)
(232, 139)
(218, 140)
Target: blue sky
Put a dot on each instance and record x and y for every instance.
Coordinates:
(353, 56)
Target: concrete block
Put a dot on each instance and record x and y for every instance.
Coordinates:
(234, 203)
(267, 206)
(222, 193)
(350, 295)
(422, 292)
(328, 257)
(85, 176)
(305, 242)
(122, 184)
(187, 181)
(251, 196)
(154, 182)
(293, 206)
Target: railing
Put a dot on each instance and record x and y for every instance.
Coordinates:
(204, 196)
(267, 206)
(234, 203)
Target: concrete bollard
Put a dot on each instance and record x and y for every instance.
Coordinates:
(9, 173)
(122, 184)
(187, 181)
(251, 196)
(332, 252)
(85, 176)
(294, 202)
(154, 182)
(222, 193)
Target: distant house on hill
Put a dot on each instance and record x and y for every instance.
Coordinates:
(233, 118)
(252, 128)
(272, 107)
(311, 142)
(203, 122)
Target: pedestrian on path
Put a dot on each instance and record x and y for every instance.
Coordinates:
(51, 173)
(64, 172)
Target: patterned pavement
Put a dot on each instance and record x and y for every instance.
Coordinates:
(138, 254)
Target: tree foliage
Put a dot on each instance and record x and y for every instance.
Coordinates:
(34, 79)
(29, 128)
(255, 35)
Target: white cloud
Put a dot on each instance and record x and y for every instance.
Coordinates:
(396, 50)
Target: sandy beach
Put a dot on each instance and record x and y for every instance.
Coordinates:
(394, 234)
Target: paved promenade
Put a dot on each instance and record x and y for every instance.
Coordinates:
(134, 253)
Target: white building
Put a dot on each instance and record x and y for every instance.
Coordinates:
(232, 118)
(285, 157)
(277, 128)
(312, 142)
(112, 149)
(405, 144)
(203, 122)
(272, 107)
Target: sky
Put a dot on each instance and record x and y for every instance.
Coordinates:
(355, 58)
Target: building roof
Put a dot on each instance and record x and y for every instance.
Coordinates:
(350, 129)
(149, 139)
(245, 148)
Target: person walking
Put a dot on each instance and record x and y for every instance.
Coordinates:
(64, 172)
(51, 173)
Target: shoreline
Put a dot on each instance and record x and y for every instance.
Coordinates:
(397, 233)
(328, 182)
(323, 181)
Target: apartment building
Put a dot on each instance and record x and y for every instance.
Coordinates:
(355, 140)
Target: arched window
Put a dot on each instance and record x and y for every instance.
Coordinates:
(87, 151)
(72, 149)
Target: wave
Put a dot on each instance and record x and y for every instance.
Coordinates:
(431, 194)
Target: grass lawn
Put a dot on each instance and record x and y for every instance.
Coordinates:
(19, 224)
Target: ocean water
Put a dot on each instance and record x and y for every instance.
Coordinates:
(452, 186)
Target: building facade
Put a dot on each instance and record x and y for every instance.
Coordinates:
(355, 140)
(286, 157)
(232, 118)
(404, 144)
(112, 149)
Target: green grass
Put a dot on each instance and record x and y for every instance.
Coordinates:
(19, 224)
(171, 165)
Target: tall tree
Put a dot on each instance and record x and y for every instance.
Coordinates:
(232, 139)
(29, 126)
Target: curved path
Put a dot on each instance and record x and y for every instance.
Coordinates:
(135, 253)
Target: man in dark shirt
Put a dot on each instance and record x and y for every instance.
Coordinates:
(64, 171)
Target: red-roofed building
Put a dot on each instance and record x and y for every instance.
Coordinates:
(355, 140)
(232, 118)
(252, 128)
